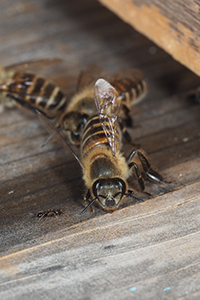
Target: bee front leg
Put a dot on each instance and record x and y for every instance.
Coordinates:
(87, 200)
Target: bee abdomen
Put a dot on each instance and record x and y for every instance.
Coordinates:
(39, 92)
(130, 89)
(94, 136)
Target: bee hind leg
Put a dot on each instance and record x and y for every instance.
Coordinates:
(139, 162)
(25, 104)
(150, 173)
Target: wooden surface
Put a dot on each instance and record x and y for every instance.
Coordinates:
(148, 250)
(172, 25)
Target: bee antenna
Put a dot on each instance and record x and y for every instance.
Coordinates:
(88, 205)
(118, 194)
(128, 195)
(137, 199)
(51, 135)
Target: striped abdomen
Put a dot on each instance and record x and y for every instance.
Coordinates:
(94, 136)
(130, 89)
(38, 92)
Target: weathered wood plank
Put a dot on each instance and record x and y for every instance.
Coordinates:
(136, 247)
(173, 25)
(151, 245)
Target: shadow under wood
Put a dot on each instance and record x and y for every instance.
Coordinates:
(111, 36)
(173, 82)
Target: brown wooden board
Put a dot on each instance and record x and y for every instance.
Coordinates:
(173, 25)
(146, 250)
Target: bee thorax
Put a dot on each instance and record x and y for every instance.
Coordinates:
(102, 167)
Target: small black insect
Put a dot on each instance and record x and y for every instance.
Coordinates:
(49, 213)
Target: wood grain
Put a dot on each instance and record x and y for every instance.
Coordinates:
(172, 25)
(148, 250)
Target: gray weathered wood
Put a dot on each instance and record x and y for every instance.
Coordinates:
(152, 246)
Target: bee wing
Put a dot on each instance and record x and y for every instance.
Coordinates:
(108, 108)
(129, 83)
(40, 67)
(34, 65)
(89, 76)
(132, 72)
(52, 130)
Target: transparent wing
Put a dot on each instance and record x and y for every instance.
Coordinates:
(52, 130)
(34, 65)
(123, 81)
(138, 74)
(54, 69)
(89, 76)
(108, 108)
(41, 67)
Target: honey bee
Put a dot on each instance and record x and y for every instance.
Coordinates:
(71, 114)
(130, 87)
(105, 169)
(30, 90)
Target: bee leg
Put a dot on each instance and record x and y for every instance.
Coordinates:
(139, 177)
(125, 133)
(86, 198)
(22, 102)
(150, 173)
(133, 153)
(131, 194)
(141, 166)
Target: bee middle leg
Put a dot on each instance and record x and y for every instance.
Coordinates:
(125, 133)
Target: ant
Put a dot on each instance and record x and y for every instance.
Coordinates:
(49, 213)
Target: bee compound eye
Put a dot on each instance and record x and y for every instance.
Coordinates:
(95, 187)
(74, 135)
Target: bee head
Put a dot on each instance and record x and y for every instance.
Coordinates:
(73, 123)
(109, 192)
